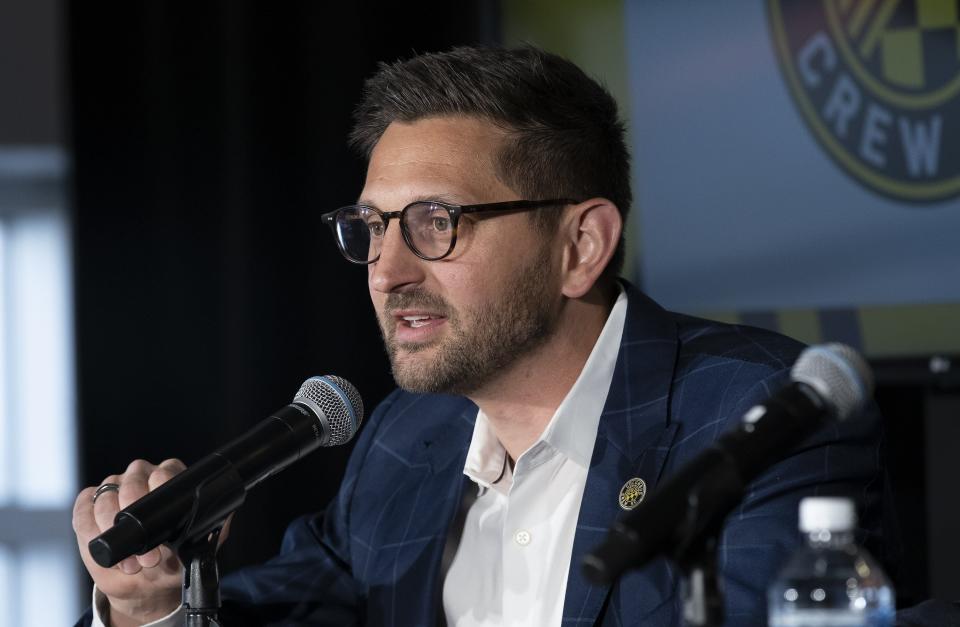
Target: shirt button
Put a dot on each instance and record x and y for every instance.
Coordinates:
(522, 537)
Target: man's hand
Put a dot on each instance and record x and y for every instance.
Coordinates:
(141, 588)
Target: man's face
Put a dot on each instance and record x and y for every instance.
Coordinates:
(456, 324)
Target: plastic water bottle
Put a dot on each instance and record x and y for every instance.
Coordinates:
(830, 581)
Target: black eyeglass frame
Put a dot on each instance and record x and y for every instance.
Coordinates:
(455, 211)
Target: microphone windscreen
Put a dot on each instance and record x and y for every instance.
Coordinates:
(339, 404)
(839, 375)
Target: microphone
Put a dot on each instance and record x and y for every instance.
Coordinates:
(828, 382)
(326, 411)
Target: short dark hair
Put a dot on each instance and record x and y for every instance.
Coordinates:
(564, 136)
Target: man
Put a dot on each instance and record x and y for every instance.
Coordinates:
(491, 224)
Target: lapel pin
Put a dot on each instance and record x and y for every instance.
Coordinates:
(632, 493)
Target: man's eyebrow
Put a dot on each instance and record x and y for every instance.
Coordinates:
(445, 198)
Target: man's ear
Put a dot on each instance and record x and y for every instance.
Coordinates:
(591, 232)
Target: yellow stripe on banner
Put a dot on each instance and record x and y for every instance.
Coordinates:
(890, 331)
(877, 27)
(911, 330)
(801, 324)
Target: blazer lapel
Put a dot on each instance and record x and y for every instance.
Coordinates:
(633, 440)
(440, 450)
(445, 453)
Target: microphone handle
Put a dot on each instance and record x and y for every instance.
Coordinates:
(195, 501)
(274, 443)
(793, 413)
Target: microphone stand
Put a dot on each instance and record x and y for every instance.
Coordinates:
(700, 587)
(201, 580)
(696, 552)
(213, 502)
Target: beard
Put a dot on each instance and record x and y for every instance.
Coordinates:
(479, 344)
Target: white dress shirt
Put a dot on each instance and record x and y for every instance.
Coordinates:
(512, 563)
(514, 555)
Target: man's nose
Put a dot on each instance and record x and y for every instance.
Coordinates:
(397, 268)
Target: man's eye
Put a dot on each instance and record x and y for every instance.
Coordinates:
(376, 228)
(440, 223)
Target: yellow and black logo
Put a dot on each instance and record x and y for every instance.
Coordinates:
(878, 83)
(632, 493)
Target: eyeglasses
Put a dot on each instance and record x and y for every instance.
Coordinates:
(429, 228)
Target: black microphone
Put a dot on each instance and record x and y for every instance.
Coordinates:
(326, 411)
(829, 381)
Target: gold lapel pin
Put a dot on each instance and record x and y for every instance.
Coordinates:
(632, 493)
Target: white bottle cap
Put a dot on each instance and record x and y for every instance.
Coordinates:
(827, 512)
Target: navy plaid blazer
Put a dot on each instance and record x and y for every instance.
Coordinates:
(373, 558)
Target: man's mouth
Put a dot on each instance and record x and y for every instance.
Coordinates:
(417, 326)
(416, 322)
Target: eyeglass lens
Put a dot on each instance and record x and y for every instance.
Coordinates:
(428, 228)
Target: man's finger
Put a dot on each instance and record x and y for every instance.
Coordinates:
(167, 470)
(134, 484)
(106, 506)
(150, 559)
(84, 523)
(130, 566)
(168, 559)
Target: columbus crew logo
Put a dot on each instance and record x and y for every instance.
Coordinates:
(632, 493)
(878, 83)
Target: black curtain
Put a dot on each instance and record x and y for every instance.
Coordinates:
(207, 138)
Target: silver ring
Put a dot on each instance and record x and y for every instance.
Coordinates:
(106, 487)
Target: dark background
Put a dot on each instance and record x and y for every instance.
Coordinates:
(206, 139)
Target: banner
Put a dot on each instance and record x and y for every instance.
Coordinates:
(796, 154)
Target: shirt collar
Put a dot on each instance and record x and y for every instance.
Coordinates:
(572, 431)
(486, 458)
